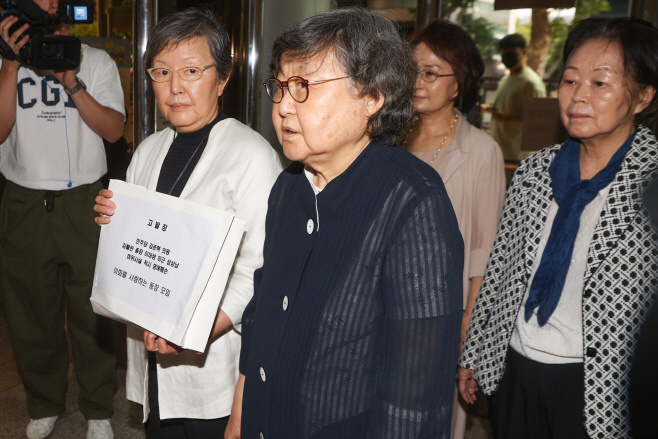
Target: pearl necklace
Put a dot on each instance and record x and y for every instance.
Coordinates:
(415, 124)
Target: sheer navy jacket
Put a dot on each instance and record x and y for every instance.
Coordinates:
(353, 329)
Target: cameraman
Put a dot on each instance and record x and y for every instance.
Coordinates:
(51, 125)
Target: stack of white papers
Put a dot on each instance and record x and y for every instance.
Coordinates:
(163, 264)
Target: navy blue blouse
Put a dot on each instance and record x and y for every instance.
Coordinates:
(353, 330)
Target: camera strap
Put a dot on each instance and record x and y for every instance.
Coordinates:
(7, 51)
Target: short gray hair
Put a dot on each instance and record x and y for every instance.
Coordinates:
(368, 47)
(194, 22)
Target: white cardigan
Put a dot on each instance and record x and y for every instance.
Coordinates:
(235, 172)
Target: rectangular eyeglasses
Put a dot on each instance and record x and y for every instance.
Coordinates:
(189, 73)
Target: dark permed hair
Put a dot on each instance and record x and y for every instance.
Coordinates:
(452, 43)
(369, 49)
(639, 45)
(194, 22)
(511, 41)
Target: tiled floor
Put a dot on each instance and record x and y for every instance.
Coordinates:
(13, 415)
(127, 419)
(477, 422)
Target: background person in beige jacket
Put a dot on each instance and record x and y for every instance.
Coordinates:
(468, 160)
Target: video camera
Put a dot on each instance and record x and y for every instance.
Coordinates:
(43, 50)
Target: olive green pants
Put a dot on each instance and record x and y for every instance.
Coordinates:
(48, 244)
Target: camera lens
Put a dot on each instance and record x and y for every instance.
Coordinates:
(51, 50)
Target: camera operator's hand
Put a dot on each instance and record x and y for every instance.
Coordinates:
(14, 41)
(9, 75)
(66, 77)
(104, 121)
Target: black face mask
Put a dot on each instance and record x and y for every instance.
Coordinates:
(510, 59)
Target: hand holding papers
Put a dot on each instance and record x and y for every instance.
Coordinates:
(156, 258)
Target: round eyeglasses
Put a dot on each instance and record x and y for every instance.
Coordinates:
(189, 73)
(296, 85)
(431, 76)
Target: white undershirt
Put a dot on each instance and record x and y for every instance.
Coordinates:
(316, 191)
(560, 340)
(309, 175)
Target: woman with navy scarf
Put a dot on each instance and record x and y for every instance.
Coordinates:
(575, 263)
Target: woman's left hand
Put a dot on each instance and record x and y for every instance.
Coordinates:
(467, 384)
(235, 420)
(156, 344)
(232, 428)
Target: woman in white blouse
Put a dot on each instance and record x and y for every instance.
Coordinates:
(211, 160)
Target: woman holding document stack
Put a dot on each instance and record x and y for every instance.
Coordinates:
(214, 161)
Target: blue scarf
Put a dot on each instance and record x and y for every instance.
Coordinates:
(572, 195)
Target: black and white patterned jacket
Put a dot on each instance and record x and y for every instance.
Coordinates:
(620, 281)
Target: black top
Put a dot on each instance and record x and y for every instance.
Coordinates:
(180, 152)
(353, 330)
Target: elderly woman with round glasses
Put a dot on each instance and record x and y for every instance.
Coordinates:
(353, 330)
(212, 160)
